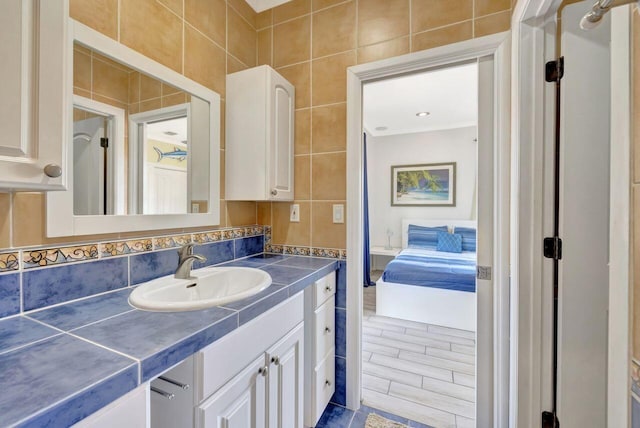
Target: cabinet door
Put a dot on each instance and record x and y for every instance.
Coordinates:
(281, 142)
(241, 403)
(33, 96)
(285, 380)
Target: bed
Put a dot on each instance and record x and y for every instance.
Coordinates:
(425, 285)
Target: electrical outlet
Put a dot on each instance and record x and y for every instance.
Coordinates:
(338, 213)
(195, 208)
(294, 213)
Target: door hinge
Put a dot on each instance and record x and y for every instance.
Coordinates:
(104, 142)
(554, 70)
(549, 420)
(552, 248)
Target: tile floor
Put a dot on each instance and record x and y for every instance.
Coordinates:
(422, 372)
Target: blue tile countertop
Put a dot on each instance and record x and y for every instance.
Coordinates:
(59, 365)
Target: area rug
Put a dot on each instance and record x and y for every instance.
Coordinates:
(377, 421)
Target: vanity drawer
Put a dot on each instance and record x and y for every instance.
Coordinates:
(325, 326)
(324, 377)
(324, 288)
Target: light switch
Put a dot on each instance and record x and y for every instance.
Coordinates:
(338, 213)
(294, 213)
(195, 207)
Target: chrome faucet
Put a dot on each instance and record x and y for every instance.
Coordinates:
(185, 261)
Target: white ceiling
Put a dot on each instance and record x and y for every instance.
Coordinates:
(164, 131)
(450, 95)
(262, 5)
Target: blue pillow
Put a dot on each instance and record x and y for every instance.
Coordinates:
(424, 237)
(468, 238)
(449, 242)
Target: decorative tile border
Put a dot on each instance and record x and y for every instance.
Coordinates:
(165, 242)
(56, 256)
(325, 252)
(109, 249)
(267, 235)
(305, 251)
(297, 251)
(9, 261)
(205, 237)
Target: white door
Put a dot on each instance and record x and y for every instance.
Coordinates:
(584, 221)
(241, 403)
(281, 143)
(88, 166)
(285, 380)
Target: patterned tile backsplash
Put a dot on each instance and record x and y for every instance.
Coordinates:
(33, 278)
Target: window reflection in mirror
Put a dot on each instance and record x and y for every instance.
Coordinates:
(140, 146)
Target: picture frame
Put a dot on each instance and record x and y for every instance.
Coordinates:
(432, 185)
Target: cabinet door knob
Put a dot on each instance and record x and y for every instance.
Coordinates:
(52, 170)
(263, 371)
(275, 360)
(274, 192)
(328, 288)
(327, 330)
(327, 382)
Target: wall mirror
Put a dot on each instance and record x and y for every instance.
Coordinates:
(143, 144)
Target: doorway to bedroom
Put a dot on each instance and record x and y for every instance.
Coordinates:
(419, 301)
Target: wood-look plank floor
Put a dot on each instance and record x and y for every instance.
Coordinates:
(419, 371)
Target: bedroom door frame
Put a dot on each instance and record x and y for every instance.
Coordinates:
(493, 371)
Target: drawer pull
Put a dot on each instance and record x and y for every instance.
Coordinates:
(327, 382)
(184, 386)
(165, 394)
(275, 360)
(327, 330)
(263, 371)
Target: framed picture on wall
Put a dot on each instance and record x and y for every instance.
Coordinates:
(431, 185)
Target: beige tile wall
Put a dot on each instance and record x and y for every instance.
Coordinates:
(202, 39)
(311, 43)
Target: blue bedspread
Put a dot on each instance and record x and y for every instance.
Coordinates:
(431, 268)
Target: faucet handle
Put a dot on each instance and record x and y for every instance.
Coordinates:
(185, 251)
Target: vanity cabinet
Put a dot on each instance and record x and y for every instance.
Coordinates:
(319, 347)
(260, 136)
(33, 109)
(252, 377)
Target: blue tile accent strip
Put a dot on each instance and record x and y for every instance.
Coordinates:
(340, 395)
(45, 287)
(78, 314)
(9, 294)
(341, 332)
(341, 285)
(335, 417)
(19, 331)
(218, 252)
(43, 374)
(249, 246)
(148, 266)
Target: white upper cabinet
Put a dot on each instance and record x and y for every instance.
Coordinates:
(260, 130)
(33, 108)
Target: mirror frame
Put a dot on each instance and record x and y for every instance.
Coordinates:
(59, 212)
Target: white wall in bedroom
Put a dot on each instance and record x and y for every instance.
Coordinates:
(455, 145)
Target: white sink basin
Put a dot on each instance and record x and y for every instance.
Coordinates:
(208, 287)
